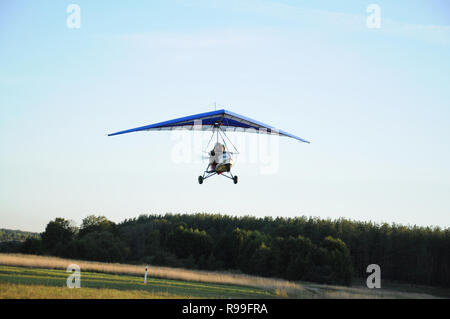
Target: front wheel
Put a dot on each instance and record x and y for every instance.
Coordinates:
(235, 179)
(200, 180)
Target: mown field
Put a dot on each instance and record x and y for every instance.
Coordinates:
(28, 276)
(22, 282)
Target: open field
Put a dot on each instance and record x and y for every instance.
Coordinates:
(28, 276)
(267, 284)
(21, 282)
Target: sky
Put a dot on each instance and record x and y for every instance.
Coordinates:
(374, 102)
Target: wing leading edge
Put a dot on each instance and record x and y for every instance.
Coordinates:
(227, 120)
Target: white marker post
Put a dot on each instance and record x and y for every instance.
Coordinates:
(145, 277)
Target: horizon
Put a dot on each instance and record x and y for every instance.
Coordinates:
(377, 224)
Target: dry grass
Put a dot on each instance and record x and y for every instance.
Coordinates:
(20, 291)
(340, 292)
(288, 288)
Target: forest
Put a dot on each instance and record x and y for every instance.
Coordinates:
(7, 235)
(11, 240)
(300, 248)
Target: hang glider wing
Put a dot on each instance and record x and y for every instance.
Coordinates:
(226, 120)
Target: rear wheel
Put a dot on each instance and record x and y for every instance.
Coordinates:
(235, 179)
(200, 179)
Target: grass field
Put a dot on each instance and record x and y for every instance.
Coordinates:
(21, 282)
(28, 276)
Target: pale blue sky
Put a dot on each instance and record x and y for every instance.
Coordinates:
(375, 104)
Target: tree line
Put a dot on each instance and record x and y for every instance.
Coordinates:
(7, 235)
(12, 240)
(301, 248)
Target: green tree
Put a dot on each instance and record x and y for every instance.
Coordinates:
(94, 223)
(32, 246)
(99, 246)
(57, 235)
(262, 261)
(300, 262)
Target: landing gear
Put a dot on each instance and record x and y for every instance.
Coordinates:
(210, 172)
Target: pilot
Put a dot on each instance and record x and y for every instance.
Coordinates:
(214, 155)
